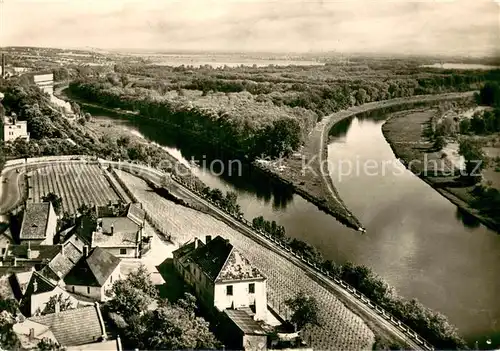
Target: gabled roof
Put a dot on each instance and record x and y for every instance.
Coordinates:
(62, 263)
(35, 221)
(22, 280)
(93, 270)
(74, 327)
(211, 257)
(38, 252)
(136, 213)
(238, 267)
(5, 231)
(38, 284)
(23, 333)
(219, 260)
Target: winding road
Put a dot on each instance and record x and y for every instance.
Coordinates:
(10, 197)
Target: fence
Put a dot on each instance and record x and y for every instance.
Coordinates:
(324, 273)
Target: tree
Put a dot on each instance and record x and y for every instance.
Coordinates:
(475, 159)
(465, 126)
(439, 143)
(55, 200)
(490, 94)
(47, 344)
(64, 304)
(305, 310)
(173, 327)
(8, 338)
(132, 296)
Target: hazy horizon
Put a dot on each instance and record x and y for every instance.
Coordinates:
(445, 28)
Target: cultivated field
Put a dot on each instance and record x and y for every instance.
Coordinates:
(77, 184)
(341, 329)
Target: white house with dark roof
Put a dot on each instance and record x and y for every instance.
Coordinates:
(38, 292)
(39, 224)
(222, 277)
(93, 274)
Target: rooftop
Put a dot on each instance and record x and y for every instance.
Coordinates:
(94, 269)
(74, 327)
(38, 253)
(35, 221)
(219, 260)
(245, 322)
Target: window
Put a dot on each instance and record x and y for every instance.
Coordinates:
(88, 290)
(3, 250)
(251, 288)
(123, 251)
(229, 290)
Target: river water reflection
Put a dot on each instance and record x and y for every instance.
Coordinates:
(416, 239)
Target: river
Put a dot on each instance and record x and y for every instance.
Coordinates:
(416, 239)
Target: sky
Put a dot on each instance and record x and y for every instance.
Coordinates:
(446, 27)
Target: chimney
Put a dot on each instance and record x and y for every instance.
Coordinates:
(32, 334)
(35, 285)
(57, 307)
(62, 249)
(28, 251)
(15, 261)
(208, 238)
(85, 251)
(196, 244)
(3, 65)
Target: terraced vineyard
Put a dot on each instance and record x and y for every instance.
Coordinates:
(341, 329)
(77, 184)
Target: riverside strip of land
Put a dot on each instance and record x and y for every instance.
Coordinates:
(314, 182)
(403, 132)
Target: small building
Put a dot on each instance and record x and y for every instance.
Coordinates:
(14, 129)
(94, 274)
(39, 224)
(242, 332)
(221, 276)
(76, 329)
(119, 229)
(27, 255)
(45, 81)
(38, 292)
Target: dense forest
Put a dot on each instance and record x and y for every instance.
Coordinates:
(259, 112)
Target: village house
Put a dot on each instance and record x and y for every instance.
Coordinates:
(94, 274)
(119, 230)
(45, 81)
(75, 329)
(39, 224)
(38, 292)
(27, 255)
(14, 129)
(225, 281)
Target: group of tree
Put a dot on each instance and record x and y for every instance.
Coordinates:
(432, 326)
(166, 326)
(8, 310)
(485, 122)
(475, 159)
(55, 200)
(270, 227)
(229, 202)
(489, 94)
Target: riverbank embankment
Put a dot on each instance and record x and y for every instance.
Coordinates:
(307, 171)
(403, 132)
